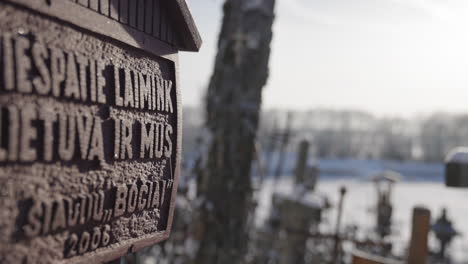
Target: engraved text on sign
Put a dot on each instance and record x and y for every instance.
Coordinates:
(88, 140)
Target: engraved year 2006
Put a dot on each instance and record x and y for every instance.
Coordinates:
(88, 241)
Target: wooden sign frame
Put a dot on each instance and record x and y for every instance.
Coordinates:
(151, 48)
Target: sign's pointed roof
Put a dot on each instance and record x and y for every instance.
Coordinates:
(191, 40)
(143, 24)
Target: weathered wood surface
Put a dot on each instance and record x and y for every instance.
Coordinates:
(90, 131)
(418, 248)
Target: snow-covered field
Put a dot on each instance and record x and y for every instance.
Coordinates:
(361, 198)
(422, 184)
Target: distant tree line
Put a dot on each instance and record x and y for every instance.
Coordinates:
(356, 134)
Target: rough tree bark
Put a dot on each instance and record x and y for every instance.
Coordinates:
(232, 107)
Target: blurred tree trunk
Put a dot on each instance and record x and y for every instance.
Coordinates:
(232, 115)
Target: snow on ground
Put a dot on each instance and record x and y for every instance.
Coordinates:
(422, 184)
(360, 201)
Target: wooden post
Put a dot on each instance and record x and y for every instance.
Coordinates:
(418, 249)
(301, 164)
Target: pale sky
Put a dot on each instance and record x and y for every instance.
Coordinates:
(388, 57)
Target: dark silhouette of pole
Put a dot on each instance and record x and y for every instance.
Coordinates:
(301, 162)
(336, 248)
(284, 143)
(272, 139)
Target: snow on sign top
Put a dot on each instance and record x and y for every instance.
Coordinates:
(456, 174)
(457, 155)
(90, 126)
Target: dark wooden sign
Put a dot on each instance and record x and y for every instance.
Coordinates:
(90, 126)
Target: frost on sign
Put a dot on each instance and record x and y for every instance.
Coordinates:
(89, 126)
